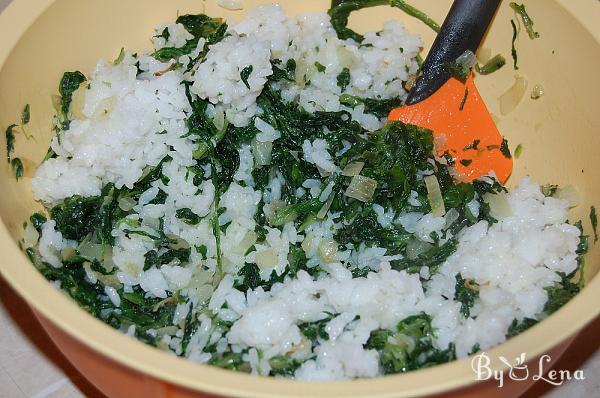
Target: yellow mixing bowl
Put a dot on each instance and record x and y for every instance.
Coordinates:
(559, 134)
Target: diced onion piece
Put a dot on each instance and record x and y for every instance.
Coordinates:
(484, 54)
(199, 278)
(414, 247)
(203, 293)
(327, 250)
(104, 107)
(262, 153)
(451, 216)
(467, 59)
(499, 205)
(266, 259)
(161, 345)
(537, 92)
(163, 302)
(404, 340)
(31, 235)
(151, 222)
(89, 273)
(434, 195)
(108, 263)
(56, 102)
(511, 98)
(109, 280)
(346, 59)
(167, 331)
(126, 203)
(323, 211)
(78, 102)
(302, 70)
(324, 173)
(247, 242)
(307, 243)
(91, 251)
(178, 242)
(361, 188)
(570, 194)
(271, 208)
(353, 169)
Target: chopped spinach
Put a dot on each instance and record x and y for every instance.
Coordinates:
(153, 259)
(431, 259)
(199, 26)
(76, 216)
(560, 293)
(378, 107)
(320, 67)
(594, 222)
(410, 347)
(25, 115)
(283, 365)
(340, 12)
(17, 167)
(188, 216)
(504, 149)
(294, 211)
(344, 79)
(466, 295)
(251, 277)
(316, 330)
(513, 50)
(245, 74)
(457, 70)
(37, 220)
(231, 361)
(286, 73)
(10, 141)
(473, 145)
(527, 21)
(518, 327)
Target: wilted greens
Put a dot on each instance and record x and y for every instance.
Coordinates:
(527, 21)
(340, 12)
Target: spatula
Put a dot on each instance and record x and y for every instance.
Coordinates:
(454, 110)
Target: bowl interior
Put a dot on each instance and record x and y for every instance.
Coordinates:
(558, 132)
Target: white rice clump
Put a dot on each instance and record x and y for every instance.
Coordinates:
(123, 125)
(125, 122)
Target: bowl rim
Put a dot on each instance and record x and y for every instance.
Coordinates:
(69, 317)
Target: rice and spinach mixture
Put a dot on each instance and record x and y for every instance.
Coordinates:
(235, 196)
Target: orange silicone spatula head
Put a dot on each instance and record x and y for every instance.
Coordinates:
(453, 110)
(463, 128)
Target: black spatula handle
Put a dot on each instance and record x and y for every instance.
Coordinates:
(463, 29)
